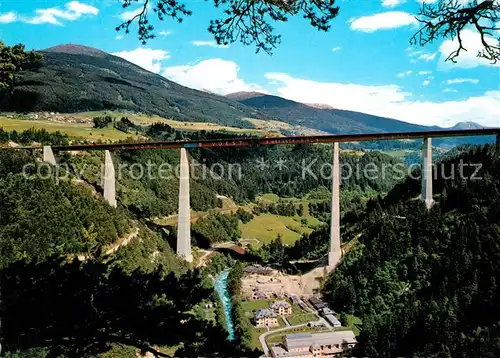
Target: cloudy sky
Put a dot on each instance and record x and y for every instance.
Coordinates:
(364, 63)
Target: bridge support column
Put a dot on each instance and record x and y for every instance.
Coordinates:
(426, 195)
(184, 215)
(335, 252)
(48, 155)
(109, 179)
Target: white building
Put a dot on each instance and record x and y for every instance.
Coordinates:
(265, 317)
(310, 345)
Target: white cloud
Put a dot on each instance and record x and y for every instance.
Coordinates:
(403, 74)
(426, 83)
(384, 20)
(462, 80)
(390, 101)
(209, 44)
(74, 10)
(423, 73)
(130, 14)
(337, 48)
(427, 56)
(392, 3)
(214, 75)
(79, 8)
(119, 37)
(147, 58)
(422, 55)
(427, 1)
(165, 33)
(468, 59)
(447, 89)
(8, 17)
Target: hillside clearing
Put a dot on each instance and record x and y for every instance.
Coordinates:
(267, 227)
(145, 119)
(73, 130)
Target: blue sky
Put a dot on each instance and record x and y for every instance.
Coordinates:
(364, 63)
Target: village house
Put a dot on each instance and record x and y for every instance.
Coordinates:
(265, 317)
(259, 295)
(282, 308)
(309, 345)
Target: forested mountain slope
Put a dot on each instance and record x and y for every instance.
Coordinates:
(327, 119)
(77, 78)
(42, 216)
(426, 283)
(63, 295)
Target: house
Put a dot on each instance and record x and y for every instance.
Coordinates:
(259, 295)
(309, 345)
(282, 308)
(317, 303)
(257, 269)
(333, 320)
(295, 300)
(265, 317)
(326, 311)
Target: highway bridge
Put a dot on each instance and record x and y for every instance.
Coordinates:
(264, 141)
(183, 224)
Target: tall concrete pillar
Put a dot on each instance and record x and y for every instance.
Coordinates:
(426, 195)
(109, 179)
(335, 253)
(48, 155)
(184, 215)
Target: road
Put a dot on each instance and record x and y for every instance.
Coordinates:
(263, 336)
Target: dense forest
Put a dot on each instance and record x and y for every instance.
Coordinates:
(79, 278)
(424, 282)
(54, 238)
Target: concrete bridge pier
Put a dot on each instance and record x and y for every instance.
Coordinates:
(48, 155)
(335, 252)
(426, 195)
(109, 179)
(184, 213)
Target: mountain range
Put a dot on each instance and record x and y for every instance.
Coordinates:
(322, 117)
(77, 78)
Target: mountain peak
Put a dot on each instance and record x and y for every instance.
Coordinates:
(467, 125)
(319, 105)
(76, 50)
(243, 95)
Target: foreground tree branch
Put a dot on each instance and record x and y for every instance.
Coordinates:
(449, 18)
(247, 21)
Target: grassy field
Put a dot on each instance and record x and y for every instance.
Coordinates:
(278, 337)
(300, 318)
(270, 124)
(397, 153)
(266, 228)
(73, 130)
(86, 130)
(252, 305)
(256, 332)
(353, 324)
(268, 198)
(192, 126)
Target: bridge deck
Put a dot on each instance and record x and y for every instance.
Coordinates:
(249, 142)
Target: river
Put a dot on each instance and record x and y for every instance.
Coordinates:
(221, 289)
